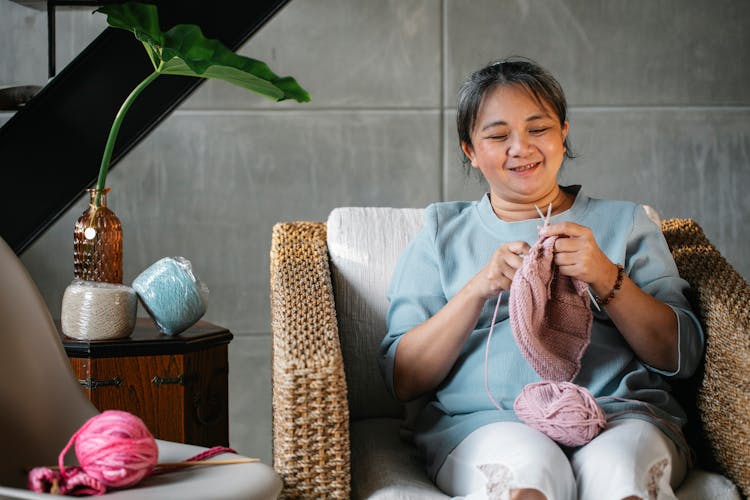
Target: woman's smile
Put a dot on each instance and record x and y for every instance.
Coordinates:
(525, 168)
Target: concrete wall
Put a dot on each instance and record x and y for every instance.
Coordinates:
(660, 114)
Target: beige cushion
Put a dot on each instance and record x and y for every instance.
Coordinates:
(702, 485)
(364, 245)
(384, 466)
(652, 214)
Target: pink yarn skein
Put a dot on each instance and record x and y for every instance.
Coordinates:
(565, 412)
(115, 448)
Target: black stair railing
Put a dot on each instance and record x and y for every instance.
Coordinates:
(50, 149)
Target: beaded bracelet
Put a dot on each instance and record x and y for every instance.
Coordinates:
(611, 295)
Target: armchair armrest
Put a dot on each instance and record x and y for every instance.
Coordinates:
(310, 410)
(721, 298)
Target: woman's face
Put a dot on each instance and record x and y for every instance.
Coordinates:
(517, 144)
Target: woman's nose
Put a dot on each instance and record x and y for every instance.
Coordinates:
(518, 145)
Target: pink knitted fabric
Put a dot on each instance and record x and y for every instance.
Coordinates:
(549, 314)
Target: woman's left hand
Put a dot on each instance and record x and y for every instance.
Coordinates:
(578, 255)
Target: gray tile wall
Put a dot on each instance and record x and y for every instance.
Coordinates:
(660, 114)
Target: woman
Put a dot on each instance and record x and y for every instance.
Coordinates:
(513, 128)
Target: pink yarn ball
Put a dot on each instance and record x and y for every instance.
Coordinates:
(116, 448)
(565, 412)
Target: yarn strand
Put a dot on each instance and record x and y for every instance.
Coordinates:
(487, 355)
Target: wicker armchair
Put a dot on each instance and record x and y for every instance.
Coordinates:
(336, 430)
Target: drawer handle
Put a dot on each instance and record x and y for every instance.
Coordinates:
(211, 406)
(92, 383)
(157, 380)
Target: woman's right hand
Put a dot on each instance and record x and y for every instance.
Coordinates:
(497, 275)
(427, 352)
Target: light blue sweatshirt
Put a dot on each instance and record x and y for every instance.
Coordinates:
(456, 241)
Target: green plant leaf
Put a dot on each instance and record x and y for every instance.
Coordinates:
(188, 52)
(184, 50)
(228, 74)
(140, 19)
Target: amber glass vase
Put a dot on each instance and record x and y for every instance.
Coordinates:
(97, 242)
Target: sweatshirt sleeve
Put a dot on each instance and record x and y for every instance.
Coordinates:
(415, 293)
(650, 265)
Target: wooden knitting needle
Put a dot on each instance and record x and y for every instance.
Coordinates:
(190, 463)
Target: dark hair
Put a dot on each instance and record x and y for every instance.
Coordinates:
(522, 72)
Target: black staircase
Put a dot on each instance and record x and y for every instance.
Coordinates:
(50, 150)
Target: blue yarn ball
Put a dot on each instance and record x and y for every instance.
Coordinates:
(171, 294)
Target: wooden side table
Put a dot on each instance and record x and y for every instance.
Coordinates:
(177, 385)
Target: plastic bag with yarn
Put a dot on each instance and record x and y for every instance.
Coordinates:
(171, 294)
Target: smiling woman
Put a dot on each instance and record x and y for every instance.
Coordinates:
(450, 291)
(518, 145)
(524, 104)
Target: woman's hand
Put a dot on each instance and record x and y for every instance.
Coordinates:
(427, 352)
(497, 275)
(578, 255)
(652, 333)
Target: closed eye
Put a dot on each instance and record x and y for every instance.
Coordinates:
(538, 131)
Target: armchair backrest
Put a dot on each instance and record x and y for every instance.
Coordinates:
(364, 244)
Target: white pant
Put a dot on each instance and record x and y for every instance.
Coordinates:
(632, 457)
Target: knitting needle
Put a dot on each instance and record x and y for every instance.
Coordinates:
(596, 304)
(539, 211)
(191, 463)
(546, 223)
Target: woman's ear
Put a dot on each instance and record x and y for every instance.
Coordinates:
(469, 152)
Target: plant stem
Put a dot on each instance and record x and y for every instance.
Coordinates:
(110, 146)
